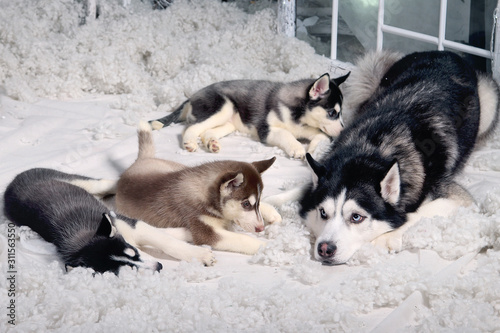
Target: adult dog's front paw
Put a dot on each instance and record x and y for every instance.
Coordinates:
(392, 241)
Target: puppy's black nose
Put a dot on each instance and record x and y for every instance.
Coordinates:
(326, 249)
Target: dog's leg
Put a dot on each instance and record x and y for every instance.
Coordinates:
(191, 134)
(182, 234)
(234, 242)
(143, 234)
(210, 138)
(442, 207)
(316, 141)
(98, 187)
(269, 213)
(285, 140)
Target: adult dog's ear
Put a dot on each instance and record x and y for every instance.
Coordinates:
(390, 186)
(319, 170)
(339, 80)
(320, 87)
(263, 165)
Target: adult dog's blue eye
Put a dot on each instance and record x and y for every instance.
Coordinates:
(322, 213)
(356, 218)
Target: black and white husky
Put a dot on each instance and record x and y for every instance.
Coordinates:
(396, 161)
(276, 113)
(59, 207)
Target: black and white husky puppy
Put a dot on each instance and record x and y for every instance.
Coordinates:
(397, 160)
(55, 205)
(276, 113)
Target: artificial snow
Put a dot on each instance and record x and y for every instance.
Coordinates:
(71, 97)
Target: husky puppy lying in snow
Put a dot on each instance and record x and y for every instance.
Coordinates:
(201, 201)
(396, 162)
(59, 207)
(275, 113)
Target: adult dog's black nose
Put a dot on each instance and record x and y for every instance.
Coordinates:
(326, 250)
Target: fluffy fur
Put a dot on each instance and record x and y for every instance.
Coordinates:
(275, 113)
(396, 162)
(204, 200)
(55, 205)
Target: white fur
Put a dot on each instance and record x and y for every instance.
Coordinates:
(232, 241)
(314, 126)
(191, 134)
(284, 132)
(348, 237)
(249, 220)
(97, 187)
(143, 234)
(488, 101)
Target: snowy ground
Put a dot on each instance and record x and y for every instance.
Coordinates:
(72, 95)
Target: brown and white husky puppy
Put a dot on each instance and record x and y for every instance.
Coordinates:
(276, 113)
(203, 200)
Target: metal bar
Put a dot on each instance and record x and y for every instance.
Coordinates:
(286, 17)
(410, 34)
(467, 49)
(442, 24)
(380, 25)
(335, 25)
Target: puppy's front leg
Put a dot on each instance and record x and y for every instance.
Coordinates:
(269, 213)
(285, 140)
(234, 242)
(316, 141)
(143, 234)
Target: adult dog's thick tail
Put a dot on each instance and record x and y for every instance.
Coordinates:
(365, 80)
(146, 144)
(489, 102)
(174, 117)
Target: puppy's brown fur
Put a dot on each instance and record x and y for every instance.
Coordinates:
(205, 199)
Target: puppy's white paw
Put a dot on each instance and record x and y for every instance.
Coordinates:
(317, 141)
(392, 241)
(213, 145)
(208, 258)
(297, 151)
(190, 146)
(269, 213)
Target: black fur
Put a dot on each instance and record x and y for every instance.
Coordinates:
(69, 217)
(425, 117)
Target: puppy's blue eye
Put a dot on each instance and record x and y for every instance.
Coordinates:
(322, 213)
(246, 204)
(356, 218)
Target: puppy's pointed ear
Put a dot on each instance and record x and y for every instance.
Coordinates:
(262, 166)
(320, 87)
(106, 227)
(390, 186)
(230, 182)
(318, 170)
(338, 81)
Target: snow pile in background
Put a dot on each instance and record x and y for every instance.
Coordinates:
(151, 58)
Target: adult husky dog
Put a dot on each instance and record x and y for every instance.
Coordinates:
(397, 160)
(58, 206)
(204, 200)
(275, 113)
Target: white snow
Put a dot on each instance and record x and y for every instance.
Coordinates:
(71, 98)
